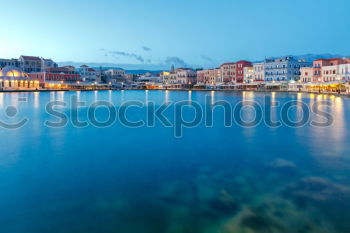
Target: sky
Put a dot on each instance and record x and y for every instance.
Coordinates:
(191, 33)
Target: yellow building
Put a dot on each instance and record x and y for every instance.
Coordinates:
(12, 78)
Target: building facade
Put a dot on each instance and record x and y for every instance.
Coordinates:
(258, 72)
(307, 75)
(240, 65)
(88, 74)
(13, 78)
(114, 76)
(9, 62)
(47, 64)
(168, 77)
(248, 75)
(30, 64)
(228, 72)
(44, 77)
(344, 72)
(326, 70)
(284, 69)
(186, 76)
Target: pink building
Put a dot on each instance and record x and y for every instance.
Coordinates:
(323, 70)
(228, 71)
(234, 72)
(201, 76)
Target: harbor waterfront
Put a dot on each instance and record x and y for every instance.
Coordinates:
(144, 179)
(322, 75)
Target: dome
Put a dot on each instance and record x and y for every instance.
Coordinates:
(11, 72)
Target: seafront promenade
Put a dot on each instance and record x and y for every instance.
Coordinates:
(347, 94)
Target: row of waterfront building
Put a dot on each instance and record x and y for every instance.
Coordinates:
(284, 69)
(278, 73)
(28, 72)
(284, 73)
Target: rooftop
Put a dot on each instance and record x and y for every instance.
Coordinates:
(31, 58)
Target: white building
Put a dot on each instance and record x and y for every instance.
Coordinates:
(344, 72)
(307, 75)
(115, 72)
(258, 72)
(330, 73)
(168, 77)
(47, 64)
(248, 75)
(88, 74)
(30, 64)
(115, 76)
(186, 76)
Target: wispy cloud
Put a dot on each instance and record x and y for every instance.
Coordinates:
(206, 58)
(147, 49)
(131, 55)
(135, 56)
(176, 61)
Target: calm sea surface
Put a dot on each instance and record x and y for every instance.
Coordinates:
(145, 180)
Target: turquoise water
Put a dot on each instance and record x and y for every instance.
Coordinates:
(145, 180)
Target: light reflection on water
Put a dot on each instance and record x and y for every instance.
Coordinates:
(218, 179)
(1, 99)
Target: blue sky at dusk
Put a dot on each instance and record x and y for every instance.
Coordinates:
(161, 32)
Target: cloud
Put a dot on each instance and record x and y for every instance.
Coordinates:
(147, 49)
(176, 61)
(206, 58)
(125, 54)
(131, 55)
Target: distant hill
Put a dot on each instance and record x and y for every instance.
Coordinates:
(131, 67)
(311, 57)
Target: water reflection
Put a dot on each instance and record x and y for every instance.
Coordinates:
(110, 95)
(52, 96)
(212, 94)
(1, 99)
(332, 135)
(205, 181)
(190, 96)
(146, 97)
(338, 131)
(122, 96)
(60, 96)
(273, 108)
(166, 97)
(36, 99)
(299, 96)
(14, 99)
(95, 96)
(248, 95)
(78, 95)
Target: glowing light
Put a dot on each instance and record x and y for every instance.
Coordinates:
(299, 96)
